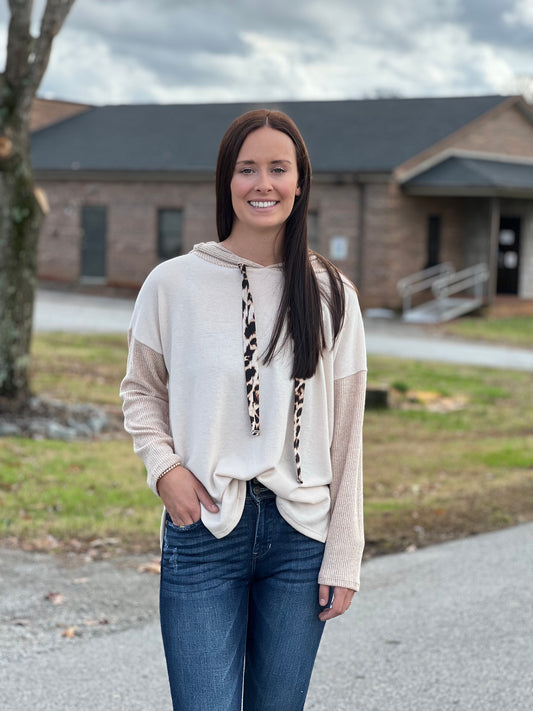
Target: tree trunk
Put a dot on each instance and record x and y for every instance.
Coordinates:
(20, 221)
(20, 210)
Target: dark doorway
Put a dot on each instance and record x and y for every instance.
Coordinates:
(94, 241)
(433, 241)
(508, 255)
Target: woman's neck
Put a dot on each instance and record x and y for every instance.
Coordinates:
(264, 249)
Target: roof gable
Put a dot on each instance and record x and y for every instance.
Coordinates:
(45, 112)
(342, 136)
(464, 174)
(506, 130)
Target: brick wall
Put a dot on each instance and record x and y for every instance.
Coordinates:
(132, 224)
(477, 231)
(338, 216)
(395, 239)
(131, 228)
(509, 133)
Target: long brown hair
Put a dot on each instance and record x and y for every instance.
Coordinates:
(301, 300)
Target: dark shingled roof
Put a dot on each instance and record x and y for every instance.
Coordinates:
(342, 136)
(474, 174)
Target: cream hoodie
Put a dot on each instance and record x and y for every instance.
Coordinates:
(186, 401)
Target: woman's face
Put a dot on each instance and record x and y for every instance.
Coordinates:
(265, 181)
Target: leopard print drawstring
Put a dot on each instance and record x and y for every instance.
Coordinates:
(299, 390)
(252, 372)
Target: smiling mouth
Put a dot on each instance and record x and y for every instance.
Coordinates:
(263, 203)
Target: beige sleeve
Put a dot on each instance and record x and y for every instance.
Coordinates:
(145, 406)
(343, 553)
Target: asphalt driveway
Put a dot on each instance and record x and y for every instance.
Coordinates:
(446, 628)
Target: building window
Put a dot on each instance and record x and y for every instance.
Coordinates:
(94, 242)
(169, 233)
(433, 241)
(313, 238)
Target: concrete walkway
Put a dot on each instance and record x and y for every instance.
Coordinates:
(402, 340)
(447, 628)
(59, 311)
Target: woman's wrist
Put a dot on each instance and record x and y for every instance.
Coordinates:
(164, 472)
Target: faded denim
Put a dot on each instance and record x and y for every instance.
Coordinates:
(252, 594)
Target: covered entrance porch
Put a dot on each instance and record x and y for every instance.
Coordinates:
(494, 206)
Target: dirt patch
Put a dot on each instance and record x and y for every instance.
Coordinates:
(427, 400)
(509, 307)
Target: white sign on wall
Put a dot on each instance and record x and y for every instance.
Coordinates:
(338, 247)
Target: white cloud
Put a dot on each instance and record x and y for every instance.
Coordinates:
(206, 50)
(98, 78)
(521, 14)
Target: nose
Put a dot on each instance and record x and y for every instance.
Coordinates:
(263, 183)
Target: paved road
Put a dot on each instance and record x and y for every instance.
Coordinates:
(66, 311)
(446, 628)
(58, 311)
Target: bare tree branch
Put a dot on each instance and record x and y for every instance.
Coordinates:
(53, 18)
(27, 57)
(19, 41)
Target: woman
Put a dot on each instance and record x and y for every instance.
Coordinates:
(245, 395)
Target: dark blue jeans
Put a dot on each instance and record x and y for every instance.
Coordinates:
(251, 595)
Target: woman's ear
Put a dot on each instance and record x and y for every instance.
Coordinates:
(298, 191)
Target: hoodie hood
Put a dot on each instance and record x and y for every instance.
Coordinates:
(216, 253)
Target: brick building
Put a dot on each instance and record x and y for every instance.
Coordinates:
(398, 185)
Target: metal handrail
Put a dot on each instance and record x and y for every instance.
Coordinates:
(474, 276)
(420, 281)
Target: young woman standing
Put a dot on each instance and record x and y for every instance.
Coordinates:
(244, 396)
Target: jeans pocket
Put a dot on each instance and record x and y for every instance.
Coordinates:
(182, 545)
(182, 529)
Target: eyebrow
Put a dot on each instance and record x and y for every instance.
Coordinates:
(272, 162)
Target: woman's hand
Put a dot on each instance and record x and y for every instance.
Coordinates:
(342, 597)
(182, 493)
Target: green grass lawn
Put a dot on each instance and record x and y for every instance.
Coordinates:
(516, 331)
(75, 492)
(453, 456)
(432, 476)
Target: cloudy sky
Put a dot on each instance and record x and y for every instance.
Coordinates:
(173, 51)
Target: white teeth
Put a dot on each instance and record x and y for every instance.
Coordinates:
(270, 203)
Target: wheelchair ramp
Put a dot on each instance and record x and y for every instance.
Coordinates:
(445, 306)
(440, 310)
